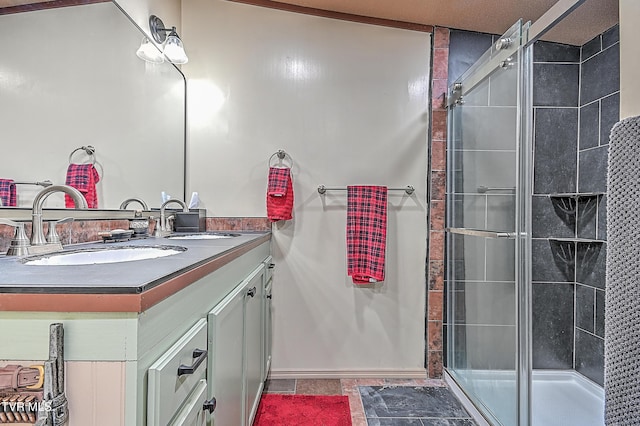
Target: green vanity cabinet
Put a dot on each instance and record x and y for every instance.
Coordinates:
(235, 365)
(188, 351)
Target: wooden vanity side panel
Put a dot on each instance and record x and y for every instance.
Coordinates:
(96, 393)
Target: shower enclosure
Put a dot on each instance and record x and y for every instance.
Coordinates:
(493, 310)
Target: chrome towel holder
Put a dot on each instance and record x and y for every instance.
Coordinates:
(408, 189)
(89, 150)
(281, 156)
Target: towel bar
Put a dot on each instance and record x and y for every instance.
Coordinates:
(481, 233)
(408, 189)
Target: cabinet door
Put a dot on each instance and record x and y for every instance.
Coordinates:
(225, 367)
(253, 350)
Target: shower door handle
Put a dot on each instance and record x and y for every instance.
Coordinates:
(481, 233)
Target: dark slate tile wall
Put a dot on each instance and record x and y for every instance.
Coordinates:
(599, 111)
(556, 140)
(553, 306)
(556, 72)
(588, 107)
(465, 48)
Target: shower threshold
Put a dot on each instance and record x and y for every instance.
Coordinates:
(559, 397)
(565, 397)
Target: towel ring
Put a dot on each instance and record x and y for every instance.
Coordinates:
(281, 154)
(89, 150)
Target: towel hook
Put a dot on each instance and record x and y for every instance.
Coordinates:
(89, 150)
(281, 154)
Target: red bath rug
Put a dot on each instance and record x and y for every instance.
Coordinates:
(303, 410)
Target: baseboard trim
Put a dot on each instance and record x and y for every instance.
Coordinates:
(417, 373)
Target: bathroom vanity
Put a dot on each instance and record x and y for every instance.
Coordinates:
(182, 339)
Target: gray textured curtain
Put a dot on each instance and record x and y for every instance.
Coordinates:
(622, 312)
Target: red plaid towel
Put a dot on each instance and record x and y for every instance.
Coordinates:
(279, 178)
(366, 233)
(83, 177)
(8, 192)
(279, 200)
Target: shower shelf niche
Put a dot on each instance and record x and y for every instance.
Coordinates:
(576, 195)
(577, 240)
(575, 256)
(567, 203)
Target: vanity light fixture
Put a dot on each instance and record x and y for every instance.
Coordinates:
(171, 44)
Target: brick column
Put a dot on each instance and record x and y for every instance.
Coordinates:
(437, 191)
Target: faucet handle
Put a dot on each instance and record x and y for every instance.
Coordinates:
(52, 235)
(19, 245)
(157, 231)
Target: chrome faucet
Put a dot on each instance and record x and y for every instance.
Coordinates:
(37, 233)
(163, 228)
(126, 202)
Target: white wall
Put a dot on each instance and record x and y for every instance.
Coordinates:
(348, 102)
(629, 58)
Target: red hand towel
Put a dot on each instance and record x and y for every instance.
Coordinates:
(8, 192)
(279, 194)
(366, 233)
(83, 177)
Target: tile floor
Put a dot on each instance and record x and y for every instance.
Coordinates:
(385, 402)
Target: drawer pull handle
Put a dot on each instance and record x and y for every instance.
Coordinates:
(251, 292)
(209, 405)
(199, 355)
(272, 265)
(269, 296)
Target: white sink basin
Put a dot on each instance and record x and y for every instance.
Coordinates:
(204, 236)
(93, 256)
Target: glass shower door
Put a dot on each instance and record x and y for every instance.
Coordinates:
(484, 228)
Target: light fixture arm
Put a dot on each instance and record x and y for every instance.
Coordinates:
(158, 30)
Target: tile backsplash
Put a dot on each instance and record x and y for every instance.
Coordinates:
(81, 231)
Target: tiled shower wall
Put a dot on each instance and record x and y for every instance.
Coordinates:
(576, 102)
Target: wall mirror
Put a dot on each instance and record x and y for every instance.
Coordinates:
(70, 77)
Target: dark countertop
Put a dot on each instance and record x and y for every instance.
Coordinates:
(121, 278)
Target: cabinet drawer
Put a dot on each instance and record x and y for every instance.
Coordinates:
(175, 374)
(193, 412)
